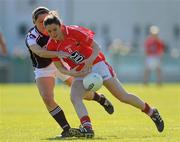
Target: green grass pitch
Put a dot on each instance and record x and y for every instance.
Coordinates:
(24, 118)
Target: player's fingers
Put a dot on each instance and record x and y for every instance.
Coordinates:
(74, 69)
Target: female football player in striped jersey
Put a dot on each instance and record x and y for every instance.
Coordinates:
(46, 72)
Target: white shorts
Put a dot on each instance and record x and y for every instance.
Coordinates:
(50, 71)
(153, 63)
(103, 69)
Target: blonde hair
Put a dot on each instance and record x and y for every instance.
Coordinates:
(154, 30)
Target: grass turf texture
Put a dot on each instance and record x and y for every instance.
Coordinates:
(24, 118)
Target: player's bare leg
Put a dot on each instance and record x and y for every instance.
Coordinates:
(101, 99)
(46, 87)
(146, 76)
(77, 101)
(114, 86)
(159, 76)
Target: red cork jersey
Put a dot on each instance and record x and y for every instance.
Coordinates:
(154, 46)
(77, 42)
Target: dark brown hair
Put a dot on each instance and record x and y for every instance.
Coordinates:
(38, 11)
(52, 18)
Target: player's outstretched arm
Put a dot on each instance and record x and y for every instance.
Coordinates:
(42, 52)
(71, 72)
(95, 51)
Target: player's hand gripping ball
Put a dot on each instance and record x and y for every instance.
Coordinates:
(92, 82)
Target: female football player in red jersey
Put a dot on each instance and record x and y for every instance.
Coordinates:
(45, 71)
(154, 50)
(85, 57)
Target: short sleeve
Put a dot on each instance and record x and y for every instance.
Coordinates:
(31, 39)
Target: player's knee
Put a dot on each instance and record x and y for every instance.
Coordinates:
(48, 100)
(123, 97)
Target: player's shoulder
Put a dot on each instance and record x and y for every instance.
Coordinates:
(77, 28)
(32, 36)
(32, 33)
(74, 29)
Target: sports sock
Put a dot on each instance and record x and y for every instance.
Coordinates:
(86, 122)
(147, 109)
(98, 98)
(60, 118)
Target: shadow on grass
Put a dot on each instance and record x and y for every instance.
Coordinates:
(74, 139)
(104, 138)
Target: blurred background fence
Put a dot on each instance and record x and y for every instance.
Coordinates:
(129, 68)
(126, 20)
